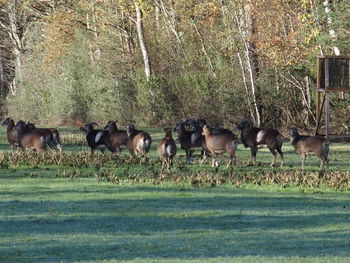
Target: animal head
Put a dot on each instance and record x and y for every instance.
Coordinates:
(177, 127)
(293, 132)
(200, 123)
(109, 125)
(20, 126)
(88, 127)
(167, 132)
(82, 129)
(206, 130)
(245, 123)
(130, 129)
(7, 121)
(30, 125)
(92, 124)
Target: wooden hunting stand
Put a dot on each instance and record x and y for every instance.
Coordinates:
(333, 75)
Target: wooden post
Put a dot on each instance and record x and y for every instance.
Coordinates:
(319, 110)
(326, 114)
(326, 107)
(325, 88)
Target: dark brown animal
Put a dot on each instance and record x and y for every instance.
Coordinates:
(52, 136)
(166, 148)
(252, 137)
(139, 141)
(97, 139)
(223, 142)
(118, 138)
(12, 133)
(28, 138)
(304, 144)
(190, 139)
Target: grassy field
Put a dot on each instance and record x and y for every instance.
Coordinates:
(53, 210)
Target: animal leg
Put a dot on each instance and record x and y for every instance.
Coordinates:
(188, 156)
(279, 150)
(274, 155)
(232, 158)
(303, 157)
(203, 156)
(321, 164)
(253, 150)
(214, 163)
(51, 145)
(168, 161)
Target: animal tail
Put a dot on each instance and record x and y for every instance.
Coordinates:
(145, 144)
(57, 141)
(167, 149)
(234, 145)
(43, 141)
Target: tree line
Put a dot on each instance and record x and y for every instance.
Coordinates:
(157, 61)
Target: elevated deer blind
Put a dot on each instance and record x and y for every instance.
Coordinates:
(333, 76)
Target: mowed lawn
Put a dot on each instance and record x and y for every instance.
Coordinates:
(63, 220)
(44, 218)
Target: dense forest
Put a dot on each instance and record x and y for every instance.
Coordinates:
(153, 62)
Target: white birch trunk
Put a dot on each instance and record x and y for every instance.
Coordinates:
(170, 19)
(331, 31)
(144, 51)
(210, 64)
(143, 46)
(245, 27)
(17, 44)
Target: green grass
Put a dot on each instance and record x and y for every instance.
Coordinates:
(45, 218)
(52, 220)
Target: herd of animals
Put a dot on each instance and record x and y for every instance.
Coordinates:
(192, 134)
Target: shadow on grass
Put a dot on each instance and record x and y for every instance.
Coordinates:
(248, 223)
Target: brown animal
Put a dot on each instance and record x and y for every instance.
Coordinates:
(118, 138)
(305, 144)
(190, 139)
(252, 137)
(139, 141)
(52, 136)
(12, 134)
(166, 148)
(222, 142)
(28, 138)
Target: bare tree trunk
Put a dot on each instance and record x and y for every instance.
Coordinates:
(94, 51)
(170, 18)
(305, 95)
(157, 13)
(17, 43)
(249, 51)
(245, 83)
(210, 64)
(97, 51)
(143, 46)
(88, 27)
(331, 31)
(144, 51)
